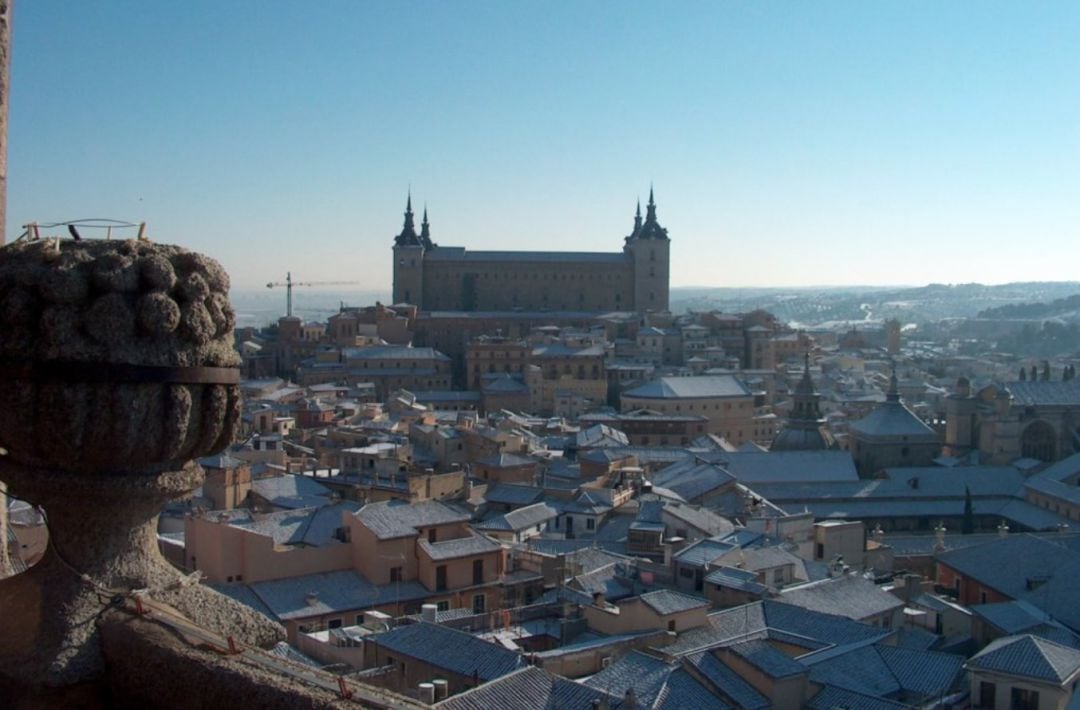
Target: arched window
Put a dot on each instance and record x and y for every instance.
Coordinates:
(1038, 442)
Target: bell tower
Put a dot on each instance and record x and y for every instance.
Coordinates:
(409, 260)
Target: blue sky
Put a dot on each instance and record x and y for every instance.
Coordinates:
(789, 143)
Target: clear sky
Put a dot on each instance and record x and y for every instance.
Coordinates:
(790, 143)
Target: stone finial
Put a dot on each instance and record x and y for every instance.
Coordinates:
(117, 369)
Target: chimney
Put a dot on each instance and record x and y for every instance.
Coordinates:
(311, 598)
(1003, 529)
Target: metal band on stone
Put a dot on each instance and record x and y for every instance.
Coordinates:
(118, 372)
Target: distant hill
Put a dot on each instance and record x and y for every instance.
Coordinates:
(923, 304)
(1066, 308)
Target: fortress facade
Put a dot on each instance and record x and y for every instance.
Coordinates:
(438, 278)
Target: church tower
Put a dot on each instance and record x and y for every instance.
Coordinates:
(650, 248)
(409, 259)
(805, 429)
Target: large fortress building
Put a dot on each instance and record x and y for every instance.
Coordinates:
(437, 278)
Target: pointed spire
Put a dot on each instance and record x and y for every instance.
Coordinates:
(651, 229)
(806, 385)
(408, 230)
(893, 395)
(425, 231)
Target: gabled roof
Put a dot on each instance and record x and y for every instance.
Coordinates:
(513, 494)
(882, 670)
(506, 460)
(1008, 565)
(656, 684)
(702, 552)
(810, 467)
(852, 596)
(766, 618)
(529, 688)
(1028, 657)
(738, 579)
(327, 593)
(700, 387)
(767, 659)
(472, 544)
(691, 481)
(391, 519)
(519, 519)
(668, 601)
(727, 681)
(312, 527)
(450, 649)
(291, 491)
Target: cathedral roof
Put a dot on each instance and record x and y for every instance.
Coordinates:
(1045, 393)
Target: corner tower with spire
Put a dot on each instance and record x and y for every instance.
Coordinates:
(650, 249)
(409, 250)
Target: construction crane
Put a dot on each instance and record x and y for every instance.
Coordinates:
(288, 283)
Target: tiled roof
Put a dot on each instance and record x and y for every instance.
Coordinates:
(668, 601)
(305, 526)
(926, 673)
(737, 579)
(728, 682)
(767, 659)
(701, 387)
(1033, 393)
(703, 552)
(529, 688)
(461, 254)
(690, 481)
(519, 519)
(811, 467)
(392, 352)
(600, 435)
(682, 691)
(505, 460)
(513, 494)
(1029, 657)
(394, 518)
(832, 697)
(1011, 617)
(701, 519)
(656, 684)
(893, 419)
(602, 581)
(334, 592)
(1006, 564)
(862, 670)
(449, 649)
(852, 596)
(291, 491)
(473, 544)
